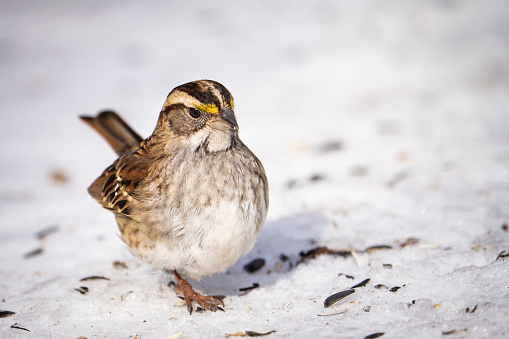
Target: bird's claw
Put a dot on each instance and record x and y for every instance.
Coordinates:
(206, 302)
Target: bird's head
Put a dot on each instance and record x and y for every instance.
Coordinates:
(198, 114)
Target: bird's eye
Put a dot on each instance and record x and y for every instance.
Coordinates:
(194, 113)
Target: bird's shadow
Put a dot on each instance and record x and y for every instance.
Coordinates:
(279, 244)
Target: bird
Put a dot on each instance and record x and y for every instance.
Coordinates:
(191, 198)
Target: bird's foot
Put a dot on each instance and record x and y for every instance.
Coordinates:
(207, 302)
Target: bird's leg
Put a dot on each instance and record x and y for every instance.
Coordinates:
(182, 287)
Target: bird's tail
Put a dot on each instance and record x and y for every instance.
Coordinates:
(115, 130)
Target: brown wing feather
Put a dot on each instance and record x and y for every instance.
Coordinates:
(115, 187)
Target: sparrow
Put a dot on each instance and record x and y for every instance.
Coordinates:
(191, 198)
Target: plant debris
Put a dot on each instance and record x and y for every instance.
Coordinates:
(332, 313)
(120, 265)
(330, 146)
(15, 325)
(41, 236)
(94, 277)
(5, 314)
(246, 290)
(346, 275)
(237, 334)
(176, 335)
(254, 265)
(375, 248)
(361, 284)
(82, 289)
(454, 331)
(31, 254)
(358, 260)
(468, 310)
(315, 252)
(47, 231)
(395, 288)
(125, 296)
(291, 183)
(249, 334)
(259, 333)
(502, 254)
(410, 241)
(59, 177)
(317, 177)
(333, 299)
(202, 310)
(398, 177)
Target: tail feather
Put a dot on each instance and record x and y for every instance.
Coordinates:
(115, 130)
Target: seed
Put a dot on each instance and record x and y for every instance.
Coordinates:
(254, 265)
(5, 314)
(82, 289)
(361, 284)
(94, 277)
(259, 333)
(337, 297)
(246, 290)
(375, 248)
(33, 253)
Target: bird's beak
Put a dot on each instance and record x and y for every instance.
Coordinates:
(225, 121)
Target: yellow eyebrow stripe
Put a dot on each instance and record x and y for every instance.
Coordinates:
(210, 108)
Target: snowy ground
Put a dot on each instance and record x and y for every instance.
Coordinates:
(376, 122)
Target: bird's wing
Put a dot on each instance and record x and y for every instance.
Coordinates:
(114, 189)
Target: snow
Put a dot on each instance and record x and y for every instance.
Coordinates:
(376, 122)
